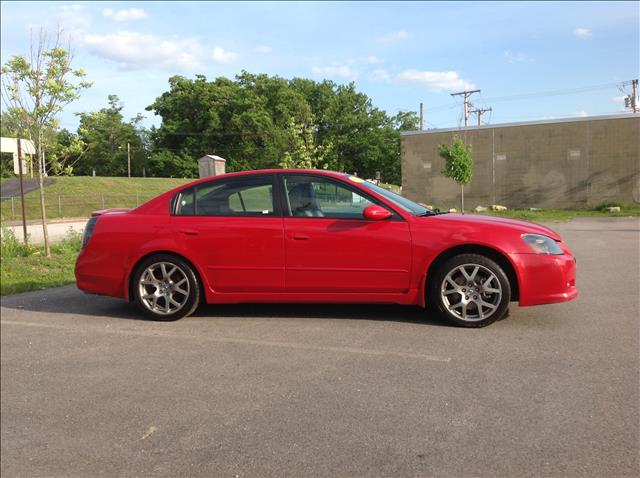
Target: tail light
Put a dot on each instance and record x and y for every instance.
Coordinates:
(88, 230)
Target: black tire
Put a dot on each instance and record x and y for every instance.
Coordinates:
(476, 306)
(188, 301)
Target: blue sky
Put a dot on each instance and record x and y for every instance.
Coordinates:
(397, 53)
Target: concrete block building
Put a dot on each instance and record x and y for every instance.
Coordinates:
(563, 163)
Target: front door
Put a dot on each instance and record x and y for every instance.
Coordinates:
(331, 247)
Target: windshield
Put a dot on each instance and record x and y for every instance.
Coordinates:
(403, 203)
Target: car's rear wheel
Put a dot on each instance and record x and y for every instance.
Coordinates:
(470, 290)
(165, 288)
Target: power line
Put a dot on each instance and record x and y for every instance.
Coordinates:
(571, 91)
(449, 106)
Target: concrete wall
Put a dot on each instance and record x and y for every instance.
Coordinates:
(564, 164)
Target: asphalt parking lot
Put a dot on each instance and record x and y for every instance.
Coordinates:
(90, 389)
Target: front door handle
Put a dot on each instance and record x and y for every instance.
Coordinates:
(189, 232)
(300, 237)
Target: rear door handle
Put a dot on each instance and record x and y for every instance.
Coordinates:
(300, 237)
(189, 232)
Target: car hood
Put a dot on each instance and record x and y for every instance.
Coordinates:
(472, 220)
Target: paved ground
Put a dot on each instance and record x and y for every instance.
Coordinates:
(88, 389)
(11, 187)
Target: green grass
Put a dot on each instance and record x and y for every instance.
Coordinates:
(78, 196)
(26, 268)
(562, 214)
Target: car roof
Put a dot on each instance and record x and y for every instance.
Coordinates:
(158, 203)
(321, 172)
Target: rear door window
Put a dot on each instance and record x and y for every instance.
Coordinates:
(251, 196)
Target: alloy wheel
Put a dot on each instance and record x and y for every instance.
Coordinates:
(164, 288)
(471, 292)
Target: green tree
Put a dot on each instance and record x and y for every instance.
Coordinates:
(261, 121)
(458, 164)
(106, 136)
(36, 90)
(165, 164)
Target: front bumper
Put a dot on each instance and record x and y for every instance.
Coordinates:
(546, 279)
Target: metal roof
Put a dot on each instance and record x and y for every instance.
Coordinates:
(523, 123)
(214, 157)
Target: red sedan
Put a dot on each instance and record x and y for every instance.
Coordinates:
(317, 236)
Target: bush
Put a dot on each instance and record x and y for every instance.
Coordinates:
(10, 246)
(71, 243)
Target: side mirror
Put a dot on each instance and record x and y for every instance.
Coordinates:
(376, 213)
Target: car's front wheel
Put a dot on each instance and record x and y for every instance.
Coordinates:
(470, 290)
(165, 288)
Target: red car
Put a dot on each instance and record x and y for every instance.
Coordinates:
(317, 236)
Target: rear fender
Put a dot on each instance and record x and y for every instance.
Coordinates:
(159, 247)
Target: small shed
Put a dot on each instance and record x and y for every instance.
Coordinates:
(211, 165)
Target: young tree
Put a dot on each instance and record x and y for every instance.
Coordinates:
(36, 89)
(66, 151)
(302, 151)
(458, 164)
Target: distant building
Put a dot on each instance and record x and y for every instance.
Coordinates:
(10, 146)
(564, 163)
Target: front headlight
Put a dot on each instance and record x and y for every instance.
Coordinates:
(542, 244)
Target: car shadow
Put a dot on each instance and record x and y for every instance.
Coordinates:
(69, 300)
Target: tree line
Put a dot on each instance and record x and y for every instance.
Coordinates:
(254, 121)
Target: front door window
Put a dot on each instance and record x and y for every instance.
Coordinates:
(314, 196)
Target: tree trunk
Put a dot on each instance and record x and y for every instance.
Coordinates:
(45, 229)
(462, 199)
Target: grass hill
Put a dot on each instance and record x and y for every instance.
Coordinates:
(77, 196)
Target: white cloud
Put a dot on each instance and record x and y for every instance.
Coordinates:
(133, 50)
(436, 80)
(582, 32)
(514, 57)
(73, 19)
(335, 71)
(263, 49)
(619, 99)
(374, 59)
(394, 36)
(220, 55)
(379, 75)
(582, 114)
(125, 15)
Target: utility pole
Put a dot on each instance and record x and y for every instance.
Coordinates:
(128, 159)
(467, 104)
(24, 215)
(421, 116)
(480, 112)
(631, 101)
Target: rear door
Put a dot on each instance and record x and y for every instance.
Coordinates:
(331, 247)
(235, 232)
